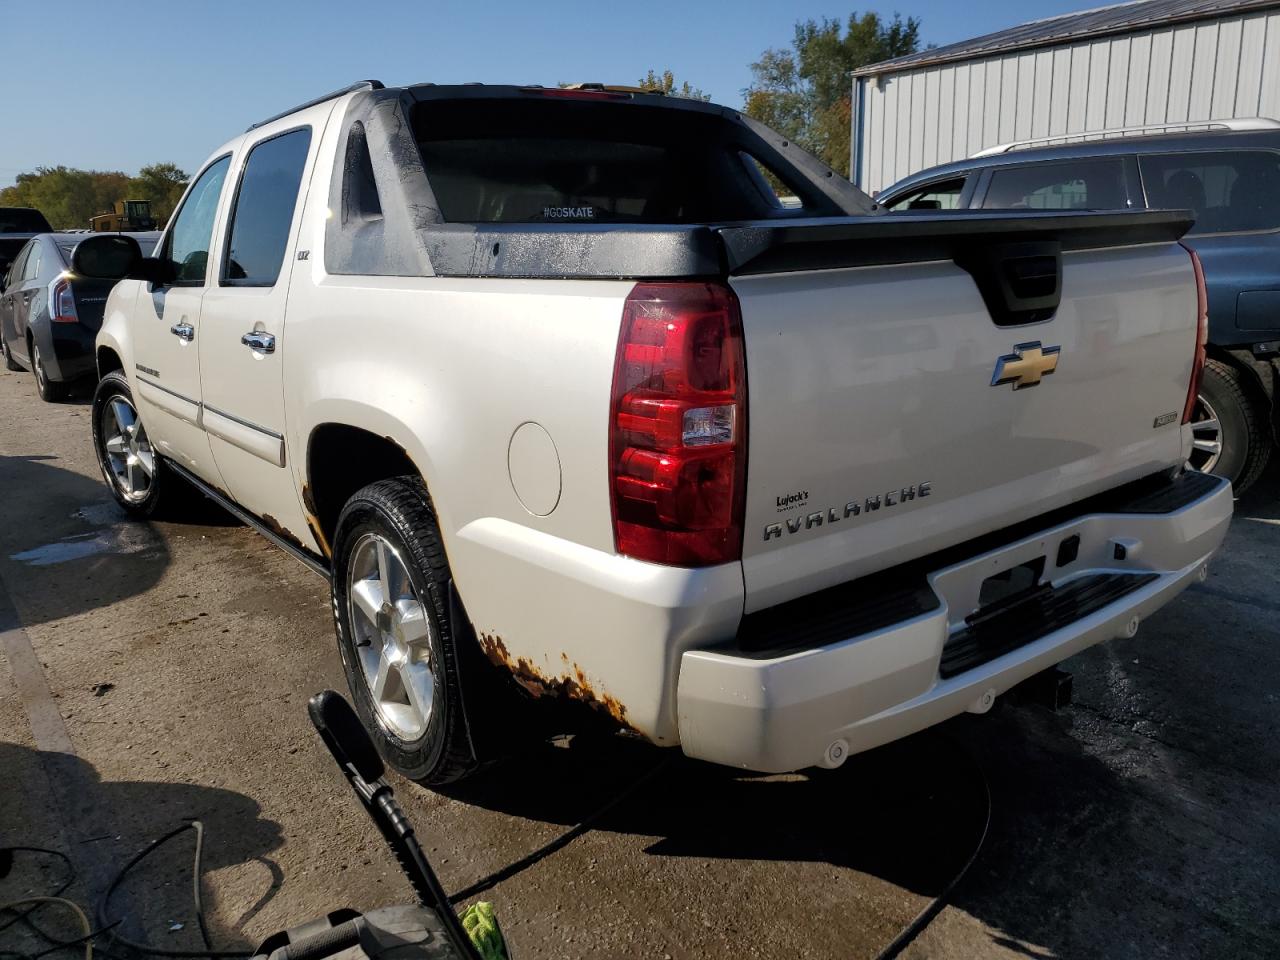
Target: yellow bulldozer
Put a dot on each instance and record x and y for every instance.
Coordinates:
(128, 215)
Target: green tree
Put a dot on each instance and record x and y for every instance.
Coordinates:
(805, 92)
(162, 184)
(66, 196)
(69, 197)
(665, 82)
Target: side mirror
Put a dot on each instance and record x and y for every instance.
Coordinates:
(111, 257)
(116, 257)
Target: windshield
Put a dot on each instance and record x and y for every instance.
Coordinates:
(22, 220)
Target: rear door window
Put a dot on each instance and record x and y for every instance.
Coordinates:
(557, 160)
(34, 257)
(939, 195)
(262, 214)
(14, 271)
(1227, 191)
(1093, 184)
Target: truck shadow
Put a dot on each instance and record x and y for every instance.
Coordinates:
(59, 801)
(67, 548)
(1095, 827)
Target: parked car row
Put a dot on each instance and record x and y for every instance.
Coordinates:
(1230, 181)
(49, 315)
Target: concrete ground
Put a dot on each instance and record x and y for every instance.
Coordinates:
(156, 672)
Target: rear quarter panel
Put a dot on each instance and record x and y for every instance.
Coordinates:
(450, 369)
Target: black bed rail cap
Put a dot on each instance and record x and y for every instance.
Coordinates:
(360, 85)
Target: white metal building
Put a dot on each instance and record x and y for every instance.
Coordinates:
(1145, 63)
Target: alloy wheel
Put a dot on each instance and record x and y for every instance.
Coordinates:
(393, 636)
(37, 368)
(1206, 432)
(127, 450)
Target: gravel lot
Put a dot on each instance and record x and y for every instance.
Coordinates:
(150, 673)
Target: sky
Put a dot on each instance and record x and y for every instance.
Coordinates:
(115, 86)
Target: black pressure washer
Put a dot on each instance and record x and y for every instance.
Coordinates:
(428, 929)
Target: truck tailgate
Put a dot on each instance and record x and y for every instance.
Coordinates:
(878, 430)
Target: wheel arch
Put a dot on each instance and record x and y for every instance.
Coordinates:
(341, 458)
(108, 361)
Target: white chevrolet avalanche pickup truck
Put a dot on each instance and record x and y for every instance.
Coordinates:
(567, 403)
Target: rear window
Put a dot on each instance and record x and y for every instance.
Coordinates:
(1226, 190)
(21, 220)
(1075, 185)
(549, 161)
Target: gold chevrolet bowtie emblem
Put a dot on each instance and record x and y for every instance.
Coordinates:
(1026, 365)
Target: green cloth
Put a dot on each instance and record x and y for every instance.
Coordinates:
(482, 927)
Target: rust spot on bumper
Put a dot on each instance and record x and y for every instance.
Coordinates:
(573, 685)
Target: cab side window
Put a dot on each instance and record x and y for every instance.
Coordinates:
(1095, 184)
(187, 245)
(263, 210)
(939, 195)
(1226, 191)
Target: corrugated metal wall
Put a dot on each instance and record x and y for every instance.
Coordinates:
(1213, 69)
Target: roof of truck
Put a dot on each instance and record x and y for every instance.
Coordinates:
(576, 91)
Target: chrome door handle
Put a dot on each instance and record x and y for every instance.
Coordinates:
(183, 331)
(259, 342)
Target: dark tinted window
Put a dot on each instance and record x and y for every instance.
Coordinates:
(187, 244)
(939, 195)
(11, 259)
(264, 209)
(1076, 185)
(21, 220)
(1226, 190)
(553, 160)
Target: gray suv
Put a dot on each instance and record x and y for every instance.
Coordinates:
(1230, 181)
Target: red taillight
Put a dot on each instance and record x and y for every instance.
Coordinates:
(62, 302)
(678, 452)
(1202, 335)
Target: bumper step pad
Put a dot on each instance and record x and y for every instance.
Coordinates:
(990, 635)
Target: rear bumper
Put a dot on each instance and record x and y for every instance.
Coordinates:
(67, 350)
(791, 706)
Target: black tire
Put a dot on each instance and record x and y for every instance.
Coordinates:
(50, 392)
(1245, 439)
(399, 511)
(166, 490)
(9, 362)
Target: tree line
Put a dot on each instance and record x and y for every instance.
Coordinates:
(69, 197)
(803, 91)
